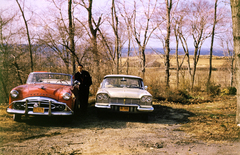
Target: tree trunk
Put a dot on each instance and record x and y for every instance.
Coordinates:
(94, 45)
(195, 60)
(235, 7)
(211, 48)
(232, 72)
(28, 35)
(18, 72)
(115, 29)
(177, 61)
(4, 87)
(167, 39)
(143, 63)
(129, 49)
(186, 51)
(71, 35)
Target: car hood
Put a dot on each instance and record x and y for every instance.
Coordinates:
(46, 90)
(124, 92)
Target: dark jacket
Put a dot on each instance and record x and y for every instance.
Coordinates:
(84, 78)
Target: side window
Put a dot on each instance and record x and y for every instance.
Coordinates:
(141, 84)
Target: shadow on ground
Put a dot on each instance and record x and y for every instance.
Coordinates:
(161, 114)
(39, 126)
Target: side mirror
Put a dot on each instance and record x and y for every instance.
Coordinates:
(145, 87)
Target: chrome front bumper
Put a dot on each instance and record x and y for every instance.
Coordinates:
(139, 108)
(28, 110)
(13, 111)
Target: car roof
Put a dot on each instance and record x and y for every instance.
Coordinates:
(122, 75)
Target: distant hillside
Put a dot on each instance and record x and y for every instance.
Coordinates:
(181, 52)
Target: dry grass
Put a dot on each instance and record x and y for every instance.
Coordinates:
(217, 61)
(220, 74)
(212, 120)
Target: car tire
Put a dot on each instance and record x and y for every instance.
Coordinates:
(17, 117)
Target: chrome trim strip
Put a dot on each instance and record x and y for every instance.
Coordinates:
(145, 109)
(103, 106)
(141, 109)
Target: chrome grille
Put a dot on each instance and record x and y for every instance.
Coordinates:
(121, 101)
(20, 105)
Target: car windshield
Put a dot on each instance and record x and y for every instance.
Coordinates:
(53, 78)
(120, 82)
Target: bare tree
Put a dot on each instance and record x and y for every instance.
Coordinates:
(93, 27)
(183, 34)
(128, 18)
(115, 25)
(176, 27)
(114, 44)
(167, 41)
(28, 35)
(226, 42)
(71, 34)
(199, 17)
(147, 29)
(3, 49)
(235, 7)
(58, 34)
(6, 69)
(128, 21)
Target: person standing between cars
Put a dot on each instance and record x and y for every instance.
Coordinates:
(85, 80)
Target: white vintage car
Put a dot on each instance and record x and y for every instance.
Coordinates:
(123, 93)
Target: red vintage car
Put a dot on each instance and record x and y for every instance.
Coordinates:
(45, 93)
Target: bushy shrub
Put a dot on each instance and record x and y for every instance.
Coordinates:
(213, 89)
(197, 88)
(155, 64)
(224, 91)
(232, 90)
(177, 96)
(184, 93)
(229, 91)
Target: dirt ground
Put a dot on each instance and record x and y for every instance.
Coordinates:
(162, 134)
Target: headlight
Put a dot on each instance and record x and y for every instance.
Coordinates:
(66, 96)
(102, 97)
(14, 93)
(147, 99)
